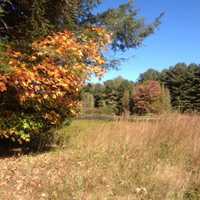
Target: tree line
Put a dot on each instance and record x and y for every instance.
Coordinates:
(173, 89)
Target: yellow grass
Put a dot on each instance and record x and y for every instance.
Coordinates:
(158, 160)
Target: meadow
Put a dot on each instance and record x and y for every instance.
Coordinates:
(137, 160)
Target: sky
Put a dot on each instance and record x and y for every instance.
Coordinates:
(176, 40)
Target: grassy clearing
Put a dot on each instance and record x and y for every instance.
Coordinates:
(158, 160)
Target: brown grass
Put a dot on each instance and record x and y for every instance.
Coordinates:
(158, 160)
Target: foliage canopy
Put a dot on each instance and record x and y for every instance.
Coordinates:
(42, 88)
(28, 19)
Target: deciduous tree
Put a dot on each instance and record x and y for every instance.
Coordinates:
(42, 89)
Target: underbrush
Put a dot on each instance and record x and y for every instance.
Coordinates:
(142, 160)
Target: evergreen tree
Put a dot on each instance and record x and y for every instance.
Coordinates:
(28, 19)
(183, 83)
(114, 93)
(149, 75)
(97, 90)
(174, 80)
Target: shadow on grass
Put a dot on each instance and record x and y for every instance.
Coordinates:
(11, 149)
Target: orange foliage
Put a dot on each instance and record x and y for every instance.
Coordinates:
(55, 71)
(145, 95)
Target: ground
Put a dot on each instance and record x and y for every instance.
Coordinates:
(138, 160)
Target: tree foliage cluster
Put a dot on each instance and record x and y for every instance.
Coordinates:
(151, 97)
(175, 88)
(122, 97)
(182, 81)
(26, 20)
(42, 88)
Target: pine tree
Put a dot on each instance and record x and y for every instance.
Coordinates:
(183, 83)
(174, 80)
(149, 75)
(39, 24)
(30, 18)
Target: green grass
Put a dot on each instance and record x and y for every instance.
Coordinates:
(122, 160)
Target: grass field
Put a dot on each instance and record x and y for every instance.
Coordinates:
(144, 160)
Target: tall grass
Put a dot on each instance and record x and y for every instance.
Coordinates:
(142, 160)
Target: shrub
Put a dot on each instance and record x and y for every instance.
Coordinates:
(41, 90)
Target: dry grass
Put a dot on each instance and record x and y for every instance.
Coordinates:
(157, 160)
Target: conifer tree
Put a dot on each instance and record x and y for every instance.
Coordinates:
(183, 83)
(28, 19)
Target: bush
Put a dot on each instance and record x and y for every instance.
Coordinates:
(41, 90)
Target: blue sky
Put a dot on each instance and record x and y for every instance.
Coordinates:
(176, 40)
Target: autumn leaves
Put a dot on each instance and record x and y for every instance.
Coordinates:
(48, 79)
